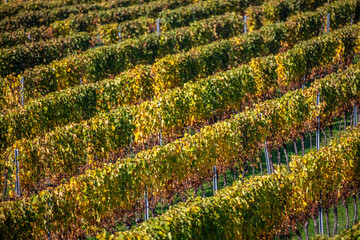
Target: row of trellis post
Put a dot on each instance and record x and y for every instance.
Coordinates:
(267, 158)
(215, 175)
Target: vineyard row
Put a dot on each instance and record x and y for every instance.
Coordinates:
(45, 17)
(101, 192)
(257, 16)
(260, 79)
(268, 206)
(12, 8)
(70, 146)
(97, 64)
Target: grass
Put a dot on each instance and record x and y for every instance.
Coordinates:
(341, 220)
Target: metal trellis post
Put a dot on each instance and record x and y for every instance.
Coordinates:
(146, 205)
(321, 222)
(48, 222)
(160, 140)
(215, 185)
(304, 80)
(158, 26)
(22, 91)
(245, 24)
(328, 23)
(119, 33)
(17, 175)
(355, 115)
(318, 124)
(267, 158)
